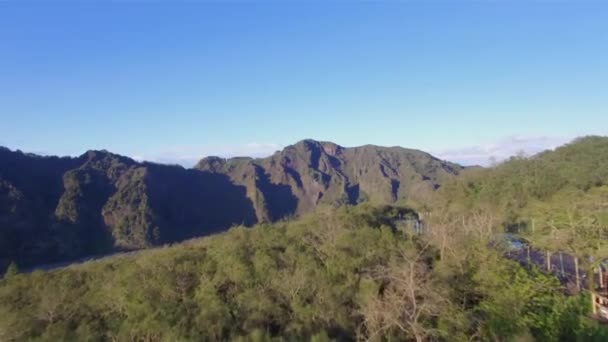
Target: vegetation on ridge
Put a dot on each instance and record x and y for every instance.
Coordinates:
(345, 274)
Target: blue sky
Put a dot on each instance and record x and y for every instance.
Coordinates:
(173, 83)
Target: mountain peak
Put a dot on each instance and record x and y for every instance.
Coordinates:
(104, 157)
(328, 147)
(311, 172)
(96, 154)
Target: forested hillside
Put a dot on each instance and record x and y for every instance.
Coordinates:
(513, 185)
(346, 274)
(557, 201)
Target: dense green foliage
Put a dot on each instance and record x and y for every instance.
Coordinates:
(346, 274)
(557, 200)
(511, 186)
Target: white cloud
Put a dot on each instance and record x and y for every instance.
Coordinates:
(483, 154)
(501, 149)
(189, 155)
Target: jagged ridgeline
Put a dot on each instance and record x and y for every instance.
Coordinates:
(54, 209)
(60, 208)
(302, 176)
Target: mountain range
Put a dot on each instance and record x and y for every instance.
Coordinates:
(54, 209)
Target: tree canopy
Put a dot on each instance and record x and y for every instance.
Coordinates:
(339, 274)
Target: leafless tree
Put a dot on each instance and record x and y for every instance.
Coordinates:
(406, 302)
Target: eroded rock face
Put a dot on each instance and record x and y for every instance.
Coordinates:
(55, 209)
(315, 173)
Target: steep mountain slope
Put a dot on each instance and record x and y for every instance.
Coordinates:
(62, 208)
(54, 209)
(308, 173)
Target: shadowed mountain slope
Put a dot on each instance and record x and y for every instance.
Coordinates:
(54, 209)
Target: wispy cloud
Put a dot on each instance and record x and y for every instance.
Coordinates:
(189, 155)
(483, 154)
(501, 149)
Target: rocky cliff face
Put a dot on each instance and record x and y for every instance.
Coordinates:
(308, 173)
(55, 209)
